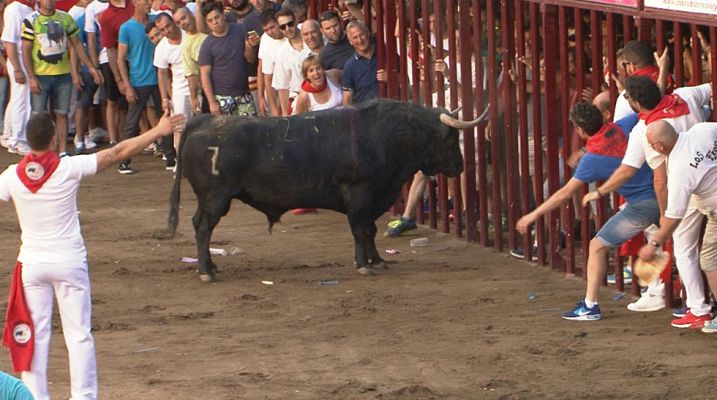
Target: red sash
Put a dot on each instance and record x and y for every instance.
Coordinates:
(19, 334)
(307, 87)
(34, 170)
(671, 106)
(609, 141)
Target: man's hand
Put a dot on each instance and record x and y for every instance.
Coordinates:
(214, 108)
(96, 76)
(662, 60)
(196, 108)
(575, 157)
(594, 195)
(19, 77)
(261, 105)
(523, 223)
(169, 123)
(647, 252)
(77, 82)
(381, 75)
(35, 86)
(130, 94)
(121, 87)
(253, 39)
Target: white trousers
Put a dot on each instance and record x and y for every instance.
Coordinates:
(18, 107)
(686, 238)
(70, 284)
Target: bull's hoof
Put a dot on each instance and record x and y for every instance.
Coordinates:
(365, 271)
(207, 278)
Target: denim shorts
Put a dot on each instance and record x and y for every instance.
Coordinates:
(57, 89)
(629, 221)
(89, 88)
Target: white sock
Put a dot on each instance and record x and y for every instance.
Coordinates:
(590, 304)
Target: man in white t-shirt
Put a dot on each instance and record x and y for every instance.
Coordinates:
(691, 183)
(174, 87)
(682, 109)
(18, 107)
(287, 76)
(53, 258)
(269, 46)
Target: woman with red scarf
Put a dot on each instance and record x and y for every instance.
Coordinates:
(318, 91)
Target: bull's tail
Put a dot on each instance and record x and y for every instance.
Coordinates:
(173, 218)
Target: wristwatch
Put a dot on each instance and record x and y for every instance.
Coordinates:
(654, 243)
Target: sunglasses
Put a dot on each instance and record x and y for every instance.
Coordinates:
(286, 25)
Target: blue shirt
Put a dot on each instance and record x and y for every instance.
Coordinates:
(596, 167)
(360, 77)
(140, 53)
(13, 388)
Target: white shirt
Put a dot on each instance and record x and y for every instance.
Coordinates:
(92, 24)
(76, 12)
(336, 99)
(639, 150)
(622, 108)
(48, 218)
(167, 55)
(268, 51)
(692, 170)
(287, 68)
(13, 16)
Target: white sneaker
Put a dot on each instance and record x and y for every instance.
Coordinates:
(20, 148)
(5, 141)
(648, 302)
(98, 135)
(89, 143)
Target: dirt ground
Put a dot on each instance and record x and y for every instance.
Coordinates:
(447, 321)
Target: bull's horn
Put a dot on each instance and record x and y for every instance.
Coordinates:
(459, 124)
(454, 113)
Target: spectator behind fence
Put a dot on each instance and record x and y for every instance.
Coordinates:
(682, 109)
(361, 73)
(223, 60)
(338, 49)
(12, 388)
(271, 42)
(692, 182)
(606, 145)
(18, 107)
(287, 65)
(47, 63)
(318, 91)
(191, 44)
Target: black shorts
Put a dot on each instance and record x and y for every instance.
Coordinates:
(111, 91)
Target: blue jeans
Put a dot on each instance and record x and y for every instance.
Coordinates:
(629, 221)
(57, 89)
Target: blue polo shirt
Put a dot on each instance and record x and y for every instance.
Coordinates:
(140, 53)
(360, 77)
(596, 167)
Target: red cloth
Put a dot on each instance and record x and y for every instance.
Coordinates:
(671, 106)
(65, 5)
(111, 20)
(308, 87)
(34, 170)
(609, 141)
(653, 72)
(19, 334)
(165, 7)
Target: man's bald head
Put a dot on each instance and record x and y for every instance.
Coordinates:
(661, 136)
(602, 102)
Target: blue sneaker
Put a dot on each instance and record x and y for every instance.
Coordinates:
(582, 313)
(626, 276)
(398, 226)
(710, 327)
(680, 312)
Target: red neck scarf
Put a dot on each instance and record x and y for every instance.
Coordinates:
(19, 334)
(308, 87)
(671, 106)
(653, 72)
(34, 171)
(609, 141)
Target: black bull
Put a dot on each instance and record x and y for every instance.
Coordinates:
(353, 160)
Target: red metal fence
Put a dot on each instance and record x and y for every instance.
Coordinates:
(530, 60)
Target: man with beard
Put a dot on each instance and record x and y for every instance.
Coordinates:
(338, 49)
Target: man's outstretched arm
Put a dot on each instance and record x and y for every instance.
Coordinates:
(556, 200)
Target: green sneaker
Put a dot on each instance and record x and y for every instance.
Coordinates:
(710, 327)
(398, 226)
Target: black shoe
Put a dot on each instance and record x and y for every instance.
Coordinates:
(125, 169)
(171, 164)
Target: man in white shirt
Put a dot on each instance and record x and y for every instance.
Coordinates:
(287, 76)
(18, 107)
(682, 109)
(53, 259)
(174, 87)
(691, 183)
(269, 47)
